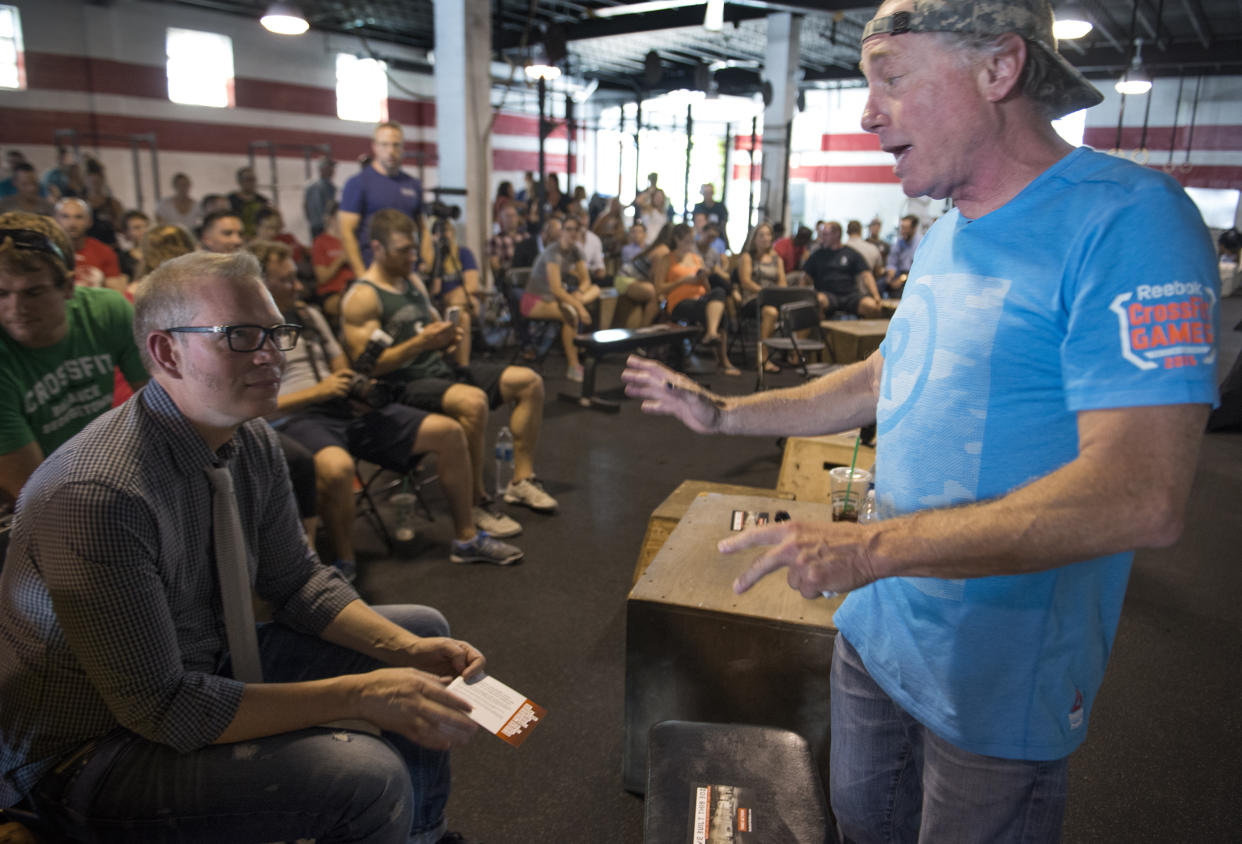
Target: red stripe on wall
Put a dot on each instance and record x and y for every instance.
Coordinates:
(742, 143)
(525, 124)
(852, 142)
(1228, 177)
(35, 126)
(862, 174)
(56, 72)
(281, 96)
(521, 160)
(1210, 137)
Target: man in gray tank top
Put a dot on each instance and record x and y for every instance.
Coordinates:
(390, 297)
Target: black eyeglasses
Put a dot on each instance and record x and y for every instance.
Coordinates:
(37, 242)
(248, 338)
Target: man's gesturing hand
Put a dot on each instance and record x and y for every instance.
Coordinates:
(670, 393)
(820, 556)
(416, 705)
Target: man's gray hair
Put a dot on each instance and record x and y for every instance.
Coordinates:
(169, 297)
(71, 200)
(1038, 81)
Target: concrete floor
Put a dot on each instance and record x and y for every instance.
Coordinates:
(1161, 763)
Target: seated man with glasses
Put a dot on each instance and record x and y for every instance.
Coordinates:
(391, 297)
(339, 414)
(59, 346)
(140, 698)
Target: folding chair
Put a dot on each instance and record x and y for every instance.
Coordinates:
(539, 333)
(371, 484)
(799, 311)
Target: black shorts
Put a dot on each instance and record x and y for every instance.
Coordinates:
(844, 303)
(694, 311)
(428, 393)
(384, 437)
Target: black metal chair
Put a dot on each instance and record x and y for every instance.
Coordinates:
(537, 333)
(374, 482)
(799, 312)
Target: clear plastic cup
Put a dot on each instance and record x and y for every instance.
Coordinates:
(403, 504)
(847, 491)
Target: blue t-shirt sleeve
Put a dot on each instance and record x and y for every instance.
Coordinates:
(467, 259)
(1143, 312)
(353, 199)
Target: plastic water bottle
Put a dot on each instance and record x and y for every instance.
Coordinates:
(867, 512)
(504, 460)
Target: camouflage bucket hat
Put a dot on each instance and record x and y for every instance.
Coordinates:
(1032, 19)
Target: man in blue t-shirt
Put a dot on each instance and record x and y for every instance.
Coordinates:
(1039, 397)
(381, 184)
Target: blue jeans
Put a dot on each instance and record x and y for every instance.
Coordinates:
(894, 780)
(327, 784)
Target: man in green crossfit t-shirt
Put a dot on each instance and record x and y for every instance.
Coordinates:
(59, 346)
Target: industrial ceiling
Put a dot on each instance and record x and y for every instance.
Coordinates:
(657, 51)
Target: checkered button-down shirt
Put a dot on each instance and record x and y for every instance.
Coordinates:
(501, 246)
(110, 609)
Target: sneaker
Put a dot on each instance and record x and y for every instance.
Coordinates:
(574, 373)
(529, 493)
(496, 524)
(484, 549)
(456, 838)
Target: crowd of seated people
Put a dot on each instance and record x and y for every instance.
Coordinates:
(573, 250)
(92, 281)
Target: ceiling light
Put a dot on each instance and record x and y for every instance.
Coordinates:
(538, 67)
(284, 19)
(1135, 80)
(1071, 22)
(645, 8)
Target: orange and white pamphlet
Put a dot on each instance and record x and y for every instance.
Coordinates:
(499, 709)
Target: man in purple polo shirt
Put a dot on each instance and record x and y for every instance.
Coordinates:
(383, 184)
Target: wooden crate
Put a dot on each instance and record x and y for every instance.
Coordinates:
(805, 464)
(665, 517)
(853, 340)
(695, 651)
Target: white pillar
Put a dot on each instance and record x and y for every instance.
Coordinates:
(463, 112)
(781, 70)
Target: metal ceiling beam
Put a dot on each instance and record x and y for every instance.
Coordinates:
(633, 24)
(1199, 21)
(1224, 56)
(1144, 21)
(1107, 26)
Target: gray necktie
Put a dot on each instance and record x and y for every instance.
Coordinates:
(234, 573)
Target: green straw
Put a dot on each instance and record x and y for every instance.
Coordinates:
(850, 481)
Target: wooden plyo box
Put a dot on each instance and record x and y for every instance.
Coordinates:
(853, 340)
(695, 651)
(805, 464)
(665, 517)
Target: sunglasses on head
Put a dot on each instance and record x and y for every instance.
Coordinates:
(32, 241)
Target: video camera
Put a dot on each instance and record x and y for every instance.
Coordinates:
(363, 388)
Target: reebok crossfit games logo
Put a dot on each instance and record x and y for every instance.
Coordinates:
(1167, 326)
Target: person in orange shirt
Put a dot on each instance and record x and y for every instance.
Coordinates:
(681, 281)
